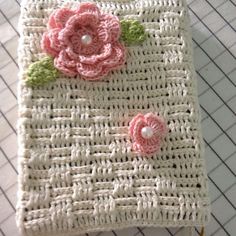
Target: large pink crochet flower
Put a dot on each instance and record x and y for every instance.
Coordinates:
(147, 132)
(84, 41)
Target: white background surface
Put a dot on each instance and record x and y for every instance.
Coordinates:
(214, 39)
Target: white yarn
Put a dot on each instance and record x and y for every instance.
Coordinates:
(78, 172)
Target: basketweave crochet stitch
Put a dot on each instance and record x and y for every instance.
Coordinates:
(78, 171)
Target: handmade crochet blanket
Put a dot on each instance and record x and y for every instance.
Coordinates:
(109, 133)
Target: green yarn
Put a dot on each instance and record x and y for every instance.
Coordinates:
(41, 72)
(132, 32)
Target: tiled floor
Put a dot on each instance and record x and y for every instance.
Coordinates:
(214, 39)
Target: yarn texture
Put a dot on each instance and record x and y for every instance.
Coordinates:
(147, 145)
(41, 72)
(93, 58)
(132, 32)
(78, 169)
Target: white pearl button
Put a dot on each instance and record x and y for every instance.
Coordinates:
(147, 132)
(86, 39)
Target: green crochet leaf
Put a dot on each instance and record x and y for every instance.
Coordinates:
(41, 72)
(132, 32)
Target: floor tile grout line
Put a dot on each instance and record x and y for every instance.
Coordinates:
(212, 118)
(222, 193)
(9, 187)
(140, 231)
(9, 161)
(206, 53)
(214, 58)
(8, 87)
(178, 230)
(4, 138)
(2, 232)
(4, 89)
(9, 54)
(5, 164)
(229, 188)
(5, 219)
(114, 233)
(212, 32)
(222, 105)
(217, 31)
(231, 218)
(9, 123)
(214, 139)
(12, 38)
(9, 22)
(216, 10)
(7, 64)
(223, 161)
(169, 231)
(7, 198)
(12, 158)
(196, 230)
(233, 3)
(202, 18)
(215, 83)
(222, 227)
(12, 108)
(216, 93)
(234, 216)
(17, 2)
(226, 159)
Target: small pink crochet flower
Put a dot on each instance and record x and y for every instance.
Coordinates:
(147, 132)
(84, 41)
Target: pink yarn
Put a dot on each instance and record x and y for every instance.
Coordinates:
(147, 145)
(71, 56)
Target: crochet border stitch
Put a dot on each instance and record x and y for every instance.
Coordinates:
(77, 170)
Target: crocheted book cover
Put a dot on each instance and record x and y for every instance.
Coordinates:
(109, 125)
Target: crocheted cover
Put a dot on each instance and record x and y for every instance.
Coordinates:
(78, 172)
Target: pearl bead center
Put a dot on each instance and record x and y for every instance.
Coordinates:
(86, 39)
(147, 132)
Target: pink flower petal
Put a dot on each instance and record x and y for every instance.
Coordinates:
(133, 123)
(103, 34)
(65, 64)
(146, 145)
(92, 61)
(157, 123)
(46, 45)
(146, 149)
(65, 35)
(51, 21)
(78, 52)
(87, 18)
(89, 72)
(55, 42)
(112, 25)
(71, 53)
(105, 53)
(76, 23)
(59, 18)
(117, 57)
(88, 7)
(137, 137)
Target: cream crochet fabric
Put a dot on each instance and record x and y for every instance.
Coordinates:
(78, 172)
